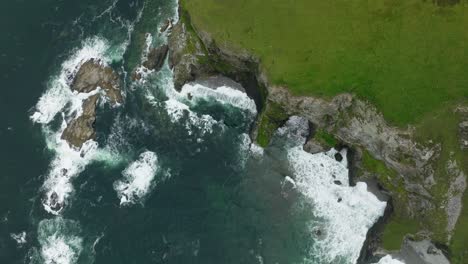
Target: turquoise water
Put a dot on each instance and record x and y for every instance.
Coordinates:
(169, 179)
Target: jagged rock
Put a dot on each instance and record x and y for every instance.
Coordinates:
(81, 129)
(337, 182)
(421, 252)
(338, 157)
(454, 195)
(313, 146)
(156, 58)
(166, 26)
(92, 74)
(463, 127)
(357, 123)
(185, 51)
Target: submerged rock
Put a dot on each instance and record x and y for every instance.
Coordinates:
(81, 129)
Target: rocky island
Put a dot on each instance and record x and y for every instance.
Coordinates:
(91, 76)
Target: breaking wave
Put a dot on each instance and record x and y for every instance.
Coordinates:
(139, 178)
(59, 240)
(58, 93)
(345, 213)
(389, 260)
(68, 162)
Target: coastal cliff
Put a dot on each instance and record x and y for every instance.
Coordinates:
(424, 179)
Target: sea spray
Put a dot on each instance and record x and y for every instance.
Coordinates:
(346, 213)
(60, 241)
(59, 93)
(389, 260)
(138, 179)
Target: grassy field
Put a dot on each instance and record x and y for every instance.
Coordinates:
(408, 57)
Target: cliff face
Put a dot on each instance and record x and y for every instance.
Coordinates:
(402, 166)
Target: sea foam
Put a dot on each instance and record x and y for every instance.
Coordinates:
(389, 260)
(346, 213)
(59, 241)
(139, 177)
(58, 93)
(180, 104)
(68, 162)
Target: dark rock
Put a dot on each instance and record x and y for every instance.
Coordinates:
(313, 146)
(340, 199)
(92, 75)
(432, 250)
(338, 157)
(81, 129)
(337, 182)
(166, 26)
(156, 58)
(318, 232)
(54, 202)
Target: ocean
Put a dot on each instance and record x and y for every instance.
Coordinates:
(172, 176)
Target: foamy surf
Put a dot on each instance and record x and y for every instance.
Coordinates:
(19, 238)
(59, 98)
(59, 93)
(180, 104)
(67, 164)
(345, 213)
(138, 179)
(389, 260)
(59, 241)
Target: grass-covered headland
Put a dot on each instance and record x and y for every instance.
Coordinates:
(407, 57)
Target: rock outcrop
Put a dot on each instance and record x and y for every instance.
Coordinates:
(91, 76)
(357, 123)
(156, 57)
(81, 129)
(463, 127)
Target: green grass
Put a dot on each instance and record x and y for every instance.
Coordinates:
(326, 138)
(408, 57)
(400, 224)
(441, 127)
(396, 230)
(272, 117)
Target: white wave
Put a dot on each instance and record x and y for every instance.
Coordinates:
(138, 179)
(59, 241)
(177, 110)
(223, 95)
(348, 212)
(58, 93)
(67, 164)
(256, 151)
(180, 104)
(20, 238)
(389, 260)
(244, 149)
